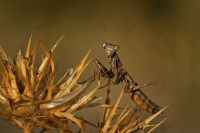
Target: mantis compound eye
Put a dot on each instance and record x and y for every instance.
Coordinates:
(105, 45)
(116, 47)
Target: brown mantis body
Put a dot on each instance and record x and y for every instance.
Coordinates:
(118, 73)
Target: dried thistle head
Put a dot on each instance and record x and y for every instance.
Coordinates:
(32, 98)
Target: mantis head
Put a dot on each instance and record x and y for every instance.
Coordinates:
(110, 49)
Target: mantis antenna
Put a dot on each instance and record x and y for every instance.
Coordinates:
(102, 22)
(126, 32)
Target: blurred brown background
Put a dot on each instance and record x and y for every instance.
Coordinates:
(163, 46)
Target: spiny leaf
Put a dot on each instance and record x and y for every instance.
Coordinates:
(51, 73)
(64, 99)
(4, 75)
(14, 91)
(72, 118)
(3, 99)
(84, 99)
(102, 105)
(28, 47)
(33, 52)
(71, 81)
(42, 69)
(53, 48)
(82, 61)
(132, 121)
(23, 76)
(65, 76)
(91, 102)
(120, 118)
(3, 91)
(145, 123)
(152, 129)
(90, 123)
(44, 63)
(3, 54)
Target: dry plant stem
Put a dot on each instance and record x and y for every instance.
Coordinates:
(120, 119)
(132, 121)
(111, 116)
(106, 110)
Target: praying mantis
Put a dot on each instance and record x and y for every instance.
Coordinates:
(118, 73)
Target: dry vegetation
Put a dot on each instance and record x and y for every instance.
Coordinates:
(32, 98)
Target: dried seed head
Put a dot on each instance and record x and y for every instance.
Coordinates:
(32, 97)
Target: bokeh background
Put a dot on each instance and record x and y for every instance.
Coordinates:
(164, 46)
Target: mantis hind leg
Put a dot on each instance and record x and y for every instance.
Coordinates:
(132, 86)
(143, 101)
